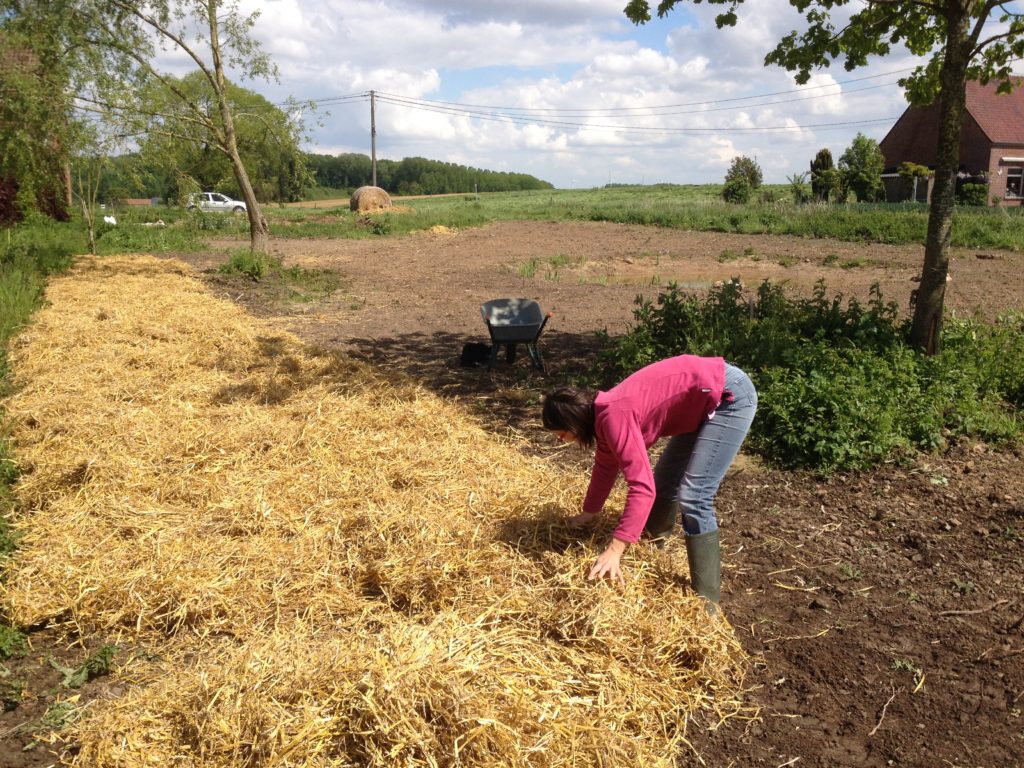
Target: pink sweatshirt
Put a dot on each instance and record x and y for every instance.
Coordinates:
(670, 397)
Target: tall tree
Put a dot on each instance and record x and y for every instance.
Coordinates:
(109, 49)
(824, 176)
(951, 33)
(34, 122)
(214, 34)
(267, 140)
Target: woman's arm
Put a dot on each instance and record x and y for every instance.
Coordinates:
(626, 441)
(602, 479)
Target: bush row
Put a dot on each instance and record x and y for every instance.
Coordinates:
(839, 387)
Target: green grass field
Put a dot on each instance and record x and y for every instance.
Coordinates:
(693, 207)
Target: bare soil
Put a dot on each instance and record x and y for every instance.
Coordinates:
(883, 611)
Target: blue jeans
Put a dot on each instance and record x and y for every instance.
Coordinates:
(692, 466)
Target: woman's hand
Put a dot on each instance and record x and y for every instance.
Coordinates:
(608, 562)
(583, 519)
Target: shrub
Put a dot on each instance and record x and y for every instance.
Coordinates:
(741, 180)
(972, 194)
(861, 167)
(747, 168)
(839, 387)
(245, 262)
(832, 409)
(737, 190)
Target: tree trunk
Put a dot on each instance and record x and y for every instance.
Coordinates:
(259, 229)
(926, 330)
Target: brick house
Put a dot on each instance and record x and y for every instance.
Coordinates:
(991, 143)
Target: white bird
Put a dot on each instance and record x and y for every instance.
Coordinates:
(109, 220)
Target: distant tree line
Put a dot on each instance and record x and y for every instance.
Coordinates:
(414, 176)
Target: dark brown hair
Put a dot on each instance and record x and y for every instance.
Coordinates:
(570, 409)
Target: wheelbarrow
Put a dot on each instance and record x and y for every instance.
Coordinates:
(511, 322)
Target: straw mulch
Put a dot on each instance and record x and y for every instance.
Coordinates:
(369, 199)
(309, 565)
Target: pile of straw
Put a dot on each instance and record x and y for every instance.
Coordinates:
(369, 199)
(316, 567)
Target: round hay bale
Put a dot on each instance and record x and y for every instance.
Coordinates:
(369, 199)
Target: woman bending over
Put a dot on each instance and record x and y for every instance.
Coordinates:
(705, 406)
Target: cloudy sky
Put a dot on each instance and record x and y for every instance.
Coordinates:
(567, 90)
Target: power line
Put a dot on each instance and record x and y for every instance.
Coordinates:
(645, 130)
(440, 105)
(804, 89)
(364, 96)
(543, 116)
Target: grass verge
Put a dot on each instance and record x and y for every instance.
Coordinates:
(28, 255)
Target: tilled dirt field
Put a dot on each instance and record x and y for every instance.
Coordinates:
(884, 611)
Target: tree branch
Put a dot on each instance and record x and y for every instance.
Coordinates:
(978, 47)
(983, 14)
(176, 39)
(171, 86)
(106, 108)
(933, 7)
(1007, 11)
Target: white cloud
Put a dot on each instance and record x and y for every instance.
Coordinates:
(591, 94)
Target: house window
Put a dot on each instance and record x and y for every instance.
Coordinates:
(1015, 182)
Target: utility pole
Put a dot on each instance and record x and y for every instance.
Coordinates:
(373, 138)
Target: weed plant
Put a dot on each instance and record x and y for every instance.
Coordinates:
(839, 387)
(242, 261)
(304, 285)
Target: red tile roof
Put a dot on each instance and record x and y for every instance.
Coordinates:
(996, 118)
(1000, 115)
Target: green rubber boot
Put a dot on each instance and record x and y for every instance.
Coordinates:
(705, 558)
(661, 521)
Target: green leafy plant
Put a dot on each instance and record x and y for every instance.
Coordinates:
(96, 665)
(57, 716)
(741, 180)
(839, 388)
(245, 262)
(12, 642)
(972, 194)
(851, 571)
(963, 587)
(904, 665)
(12, 690)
